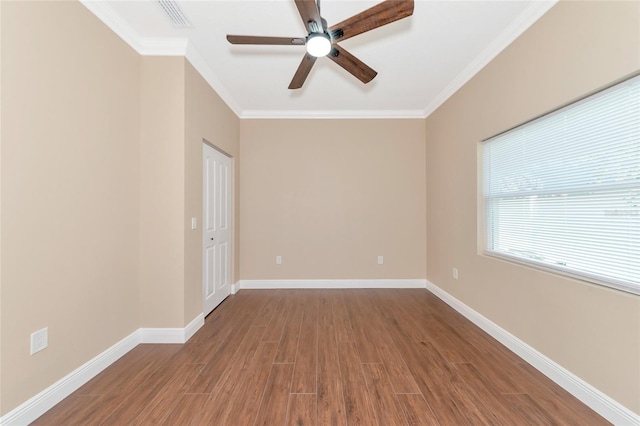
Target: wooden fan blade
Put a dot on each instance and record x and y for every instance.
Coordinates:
(355, 66)
(381, 14)
(287, 41)
(310, 15)
(303, 71)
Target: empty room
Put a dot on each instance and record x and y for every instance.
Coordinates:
(319, 212)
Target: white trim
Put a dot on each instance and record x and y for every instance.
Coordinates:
(235, 287)
(180, 47)
(42, 402)
(559, 270)
(171, 335)
(103, 11)
(161, 335)
(170, 46)
(39, 404)
(301, 284)
(193, 327)
(331, 114)
(200, 64)
(519, 25)
(603, 404)
(607, 407)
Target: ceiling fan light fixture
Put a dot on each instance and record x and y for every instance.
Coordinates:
(322, 40)
(318, 44)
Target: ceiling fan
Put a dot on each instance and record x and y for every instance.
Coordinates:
(323, 41)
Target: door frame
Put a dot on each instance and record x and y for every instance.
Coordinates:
(232, 242)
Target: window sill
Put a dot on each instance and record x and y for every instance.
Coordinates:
(591, 279)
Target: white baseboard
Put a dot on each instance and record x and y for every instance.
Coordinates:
(235, 287)
(171, 335)
(302, 284)
(193, 327)
(601, 403)
(42, 402)
(36, 406)
(161, 335)
(607, 407)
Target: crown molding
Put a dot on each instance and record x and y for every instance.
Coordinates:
(199, 63)
(326, 114)
(144, 46)
(508, 36)
(115, 23)
(181, 47)
(170, 46)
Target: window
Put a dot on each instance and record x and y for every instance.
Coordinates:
(563, 191)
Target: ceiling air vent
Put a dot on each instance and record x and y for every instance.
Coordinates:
(174, 13)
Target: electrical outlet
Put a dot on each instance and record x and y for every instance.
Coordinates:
(455, 273)
(278, 260)
(380, 260)
(39, 340)
(194, 223)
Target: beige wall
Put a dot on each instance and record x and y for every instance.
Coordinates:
(592, 331)
(329, 196)
(178, 111)
(162, 170)
(207, 118)
(101, 172)
(100, 176)
(70, 173)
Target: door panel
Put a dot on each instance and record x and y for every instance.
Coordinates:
(209, 271)
(216, 200)
(223, 216)
(224, 255)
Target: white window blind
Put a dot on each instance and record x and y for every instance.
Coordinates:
(563, 191)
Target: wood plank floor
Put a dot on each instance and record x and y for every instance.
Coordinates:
(325, 357)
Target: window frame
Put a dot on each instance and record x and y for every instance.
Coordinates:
(483, 222)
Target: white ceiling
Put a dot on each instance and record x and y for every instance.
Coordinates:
(421, 60)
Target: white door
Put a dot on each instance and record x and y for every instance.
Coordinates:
(216, 218)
